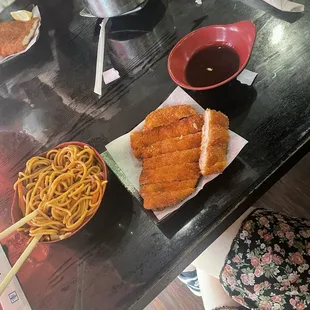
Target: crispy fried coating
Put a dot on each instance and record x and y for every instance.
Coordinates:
(170, 145)
(213, 158)
(170, 148)
(16, 35)
(161, 200)
(167, 186)
(179, 157)
(170, 173)
(186, 126)
(168, 115)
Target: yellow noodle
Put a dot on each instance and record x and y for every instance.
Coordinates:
(66, 187)
(29, 177)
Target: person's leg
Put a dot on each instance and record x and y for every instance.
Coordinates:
(190, 279)
(212, 260)
(212, 292)
(189, 268)
(209, 265)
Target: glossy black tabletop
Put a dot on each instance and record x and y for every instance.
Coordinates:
(122, 258)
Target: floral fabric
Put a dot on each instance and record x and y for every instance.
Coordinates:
(228, 308)
(268, 264)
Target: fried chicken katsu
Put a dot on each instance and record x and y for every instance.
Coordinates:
(185, 126)
(214, 144)
(168, 115)
(16, 35)
(176, 146)
(158, 201)
(169, 145)
(167, 186)
(179, 157)
(172, 173)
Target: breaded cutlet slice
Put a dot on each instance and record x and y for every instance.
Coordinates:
(214, 144)
(170, 173)
(179, 157)
(169, 145)
(161, 200)
(16, 35)
(167, 186)
(185, 126)
(168, 115)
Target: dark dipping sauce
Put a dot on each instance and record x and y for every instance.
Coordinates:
(211, 65)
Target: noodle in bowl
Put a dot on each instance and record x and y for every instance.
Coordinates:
(65, 185)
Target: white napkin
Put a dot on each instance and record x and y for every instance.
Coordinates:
(35, 13)
(286, 6)
(13, 297)
(110, 75)
(247, 77)
(121, 152)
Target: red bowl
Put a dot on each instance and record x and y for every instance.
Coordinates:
(16, 213)
(240, 36)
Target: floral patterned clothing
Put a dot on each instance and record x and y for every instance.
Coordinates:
(268, 264)
(229, 308)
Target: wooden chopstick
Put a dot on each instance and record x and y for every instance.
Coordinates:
(25, 254)
(19, 263)
(100, 58)
(18, 224)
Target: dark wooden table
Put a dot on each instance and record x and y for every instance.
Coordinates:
(122, 259)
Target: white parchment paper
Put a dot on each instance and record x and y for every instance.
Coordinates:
(121, 152)
(35, 13)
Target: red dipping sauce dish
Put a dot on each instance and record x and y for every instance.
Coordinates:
(239, 36)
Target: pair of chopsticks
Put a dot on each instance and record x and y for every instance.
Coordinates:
(25, 254)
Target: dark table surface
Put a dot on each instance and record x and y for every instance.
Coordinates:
(122, 259)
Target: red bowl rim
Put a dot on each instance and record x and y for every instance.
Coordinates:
(187, 86)
(104, 167)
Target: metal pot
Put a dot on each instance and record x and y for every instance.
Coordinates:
(135, 43)
(110, 8)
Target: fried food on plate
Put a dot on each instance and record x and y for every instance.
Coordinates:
(170, 173)
(179, 157)
(170, 145)
(167, 186)
(161, 200)
(214, 145)
(176, 146)
(16, 35)
(185, 126)
(170, 148)
(168, 115)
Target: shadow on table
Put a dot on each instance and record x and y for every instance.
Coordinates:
(115, 214)
(290, 17)
(102, 236)
(233, 99)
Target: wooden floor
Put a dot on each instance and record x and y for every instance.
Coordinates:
(290, 195)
